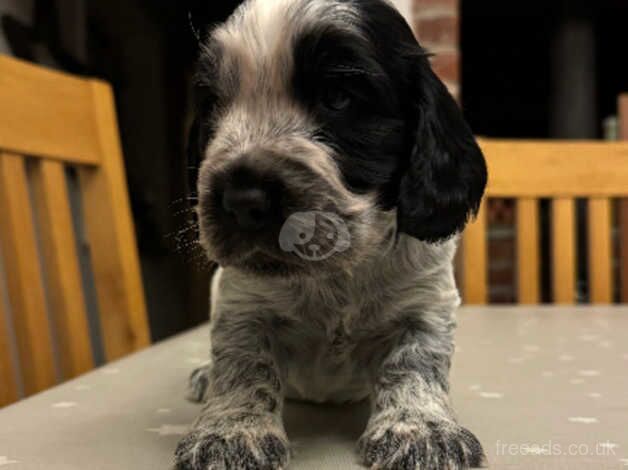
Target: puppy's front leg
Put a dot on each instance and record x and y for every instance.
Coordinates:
(240, 426)
(412, 425)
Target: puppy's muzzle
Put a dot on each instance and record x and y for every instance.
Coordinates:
(245, 201)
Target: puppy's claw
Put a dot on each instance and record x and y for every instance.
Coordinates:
(198, 384)
(429, 445)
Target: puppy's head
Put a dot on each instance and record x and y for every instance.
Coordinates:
(320, 131)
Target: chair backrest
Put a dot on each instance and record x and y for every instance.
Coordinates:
(560, 171)
(623, 206)
(51, 125)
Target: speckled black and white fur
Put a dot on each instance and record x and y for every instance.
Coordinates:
(333, 106)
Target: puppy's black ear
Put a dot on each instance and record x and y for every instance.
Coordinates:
(194, 159)
(446, 175)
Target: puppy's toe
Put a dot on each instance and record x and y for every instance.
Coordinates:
(431, 445)
(198, 384)
(198, 452)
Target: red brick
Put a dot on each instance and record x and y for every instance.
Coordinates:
(422, 5)
(437, 31)
(447, 66)
(501, 250)
(502, 211)
(501, 296)
(503, 276)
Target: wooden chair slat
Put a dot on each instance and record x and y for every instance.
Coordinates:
(475, 270)
(112, 239)
(563, 250)
(561, 169)
(623, 208)
(528, 251)
(8, 386)
(63, 276)
(623, 249)
(46, 113)
(600, 251)
(25, 284)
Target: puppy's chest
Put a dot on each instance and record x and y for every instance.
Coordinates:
(325, 370)
(323, 358)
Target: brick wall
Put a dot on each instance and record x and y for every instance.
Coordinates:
(437, 25)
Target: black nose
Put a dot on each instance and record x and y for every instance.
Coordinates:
(250, 206)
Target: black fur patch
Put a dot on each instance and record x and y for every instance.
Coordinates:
(403, 135)
(368, 136)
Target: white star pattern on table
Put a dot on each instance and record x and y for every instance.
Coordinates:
(170, 429)
(6, 461)
(624, 462)
(588, 373)
(583, 420)
(493, 395)
(164, 410)
(194, 360)
(566, 358)
(65, 404)
(595, 395)
(588, 337)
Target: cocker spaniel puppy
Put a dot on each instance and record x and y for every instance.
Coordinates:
(335, 173)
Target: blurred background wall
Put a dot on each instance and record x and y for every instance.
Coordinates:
(18, 9)
(535, 69)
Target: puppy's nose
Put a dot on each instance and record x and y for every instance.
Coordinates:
(250, 206)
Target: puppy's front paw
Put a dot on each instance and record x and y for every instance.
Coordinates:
(425, 444)
(246, 449)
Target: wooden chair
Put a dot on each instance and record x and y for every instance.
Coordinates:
(562, 172)
(49, 122)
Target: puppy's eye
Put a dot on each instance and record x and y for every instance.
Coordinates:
(336, 99)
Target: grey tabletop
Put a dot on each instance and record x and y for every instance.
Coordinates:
(543, 388)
